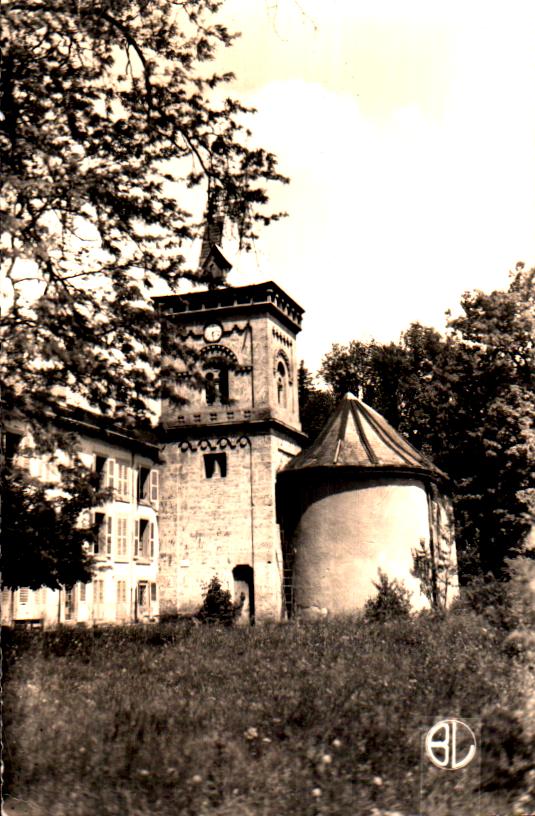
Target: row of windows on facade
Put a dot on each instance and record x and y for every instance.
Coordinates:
(121, 478)
(113, 536)
(143, 592)
(126, 482)
(78, 594)
(217, 385)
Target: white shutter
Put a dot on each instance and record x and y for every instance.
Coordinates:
(110, 473)
(154, 485)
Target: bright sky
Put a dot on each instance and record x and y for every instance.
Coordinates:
(408, 130)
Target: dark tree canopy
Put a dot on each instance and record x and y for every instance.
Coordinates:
(468, 400)
(117, 144)
(44, 541)
(315, 404)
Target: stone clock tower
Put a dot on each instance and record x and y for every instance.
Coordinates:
(223, 449)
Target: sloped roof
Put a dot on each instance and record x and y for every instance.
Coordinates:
(357, 436)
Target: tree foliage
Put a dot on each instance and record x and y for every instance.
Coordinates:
(43, 530)
(315, 404)
(466, 399)
(117, 144)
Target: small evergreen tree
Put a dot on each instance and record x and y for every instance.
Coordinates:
(217, 605)
(392, 600)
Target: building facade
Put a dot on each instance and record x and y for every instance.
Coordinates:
(362, 499)
(125, 581)
(223, 449)
(201, 503)
(226, 491)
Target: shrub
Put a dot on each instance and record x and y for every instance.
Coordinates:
(392, 600)
(217, 605)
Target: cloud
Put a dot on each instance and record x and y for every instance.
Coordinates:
(389, 221)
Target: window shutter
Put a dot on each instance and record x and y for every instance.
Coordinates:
(136, 538)
(110, 473)
(152, 539)
(109, 534)
(154, 485)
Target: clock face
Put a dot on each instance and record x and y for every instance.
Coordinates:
(213, 332)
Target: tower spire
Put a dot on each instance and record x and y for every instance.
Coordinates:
(213, 266)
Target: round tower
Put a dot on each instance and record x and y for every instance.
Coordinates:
(358, 500)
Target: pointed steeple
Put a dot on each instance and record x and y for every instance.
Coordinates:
(213, 265)
(357, 436)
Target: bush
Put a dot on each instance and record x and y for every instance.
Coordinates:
(392, 600)
(217, 605)
(507, 603)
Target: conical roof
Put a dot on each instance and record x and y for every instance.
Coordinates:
(357, 436)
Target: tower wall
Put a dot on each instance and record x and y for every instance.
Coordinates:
(349, 529)
(217, 505)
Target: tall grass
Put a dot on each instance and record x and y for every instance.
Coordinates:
(323, 718)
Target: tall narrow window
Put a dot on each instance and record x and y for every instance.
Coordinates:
(215, 463)
(152, 539)
(101, 469)
(142, 596)
(212, 391)
(144, 478)
(282, 385)
(142, 538)
(69, 604)
(217, 385)
(82, 593)
(103, 543)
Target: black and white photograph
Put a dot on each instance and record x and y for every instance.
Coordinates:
(267, 394)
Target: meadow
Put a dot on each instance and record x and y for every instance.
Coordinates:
(273, 720)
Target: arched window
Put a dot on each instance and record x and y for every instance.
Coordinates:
(216, 385)
(282, 385)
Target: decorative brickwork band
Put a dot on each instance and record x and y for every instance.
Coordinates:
(223, 443)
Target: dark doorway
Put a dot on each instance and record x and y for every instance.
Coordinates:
(243, 576)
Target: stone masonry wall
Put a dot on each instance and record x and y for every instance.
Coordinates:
(208, 526)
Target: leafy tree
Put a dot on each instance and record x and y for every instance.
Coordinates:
(397, 379)
(43, 533)
(491, 408)
(115, 136)
(467, 399)
(315, 404)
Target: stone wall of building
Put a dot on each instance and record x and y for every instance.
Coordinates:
(217, 510)
(211, 524)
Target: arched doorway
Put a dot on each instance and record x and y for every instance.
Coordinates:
(243, 576)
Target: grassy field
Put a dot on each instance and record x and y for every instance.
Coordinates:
(313, 719)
